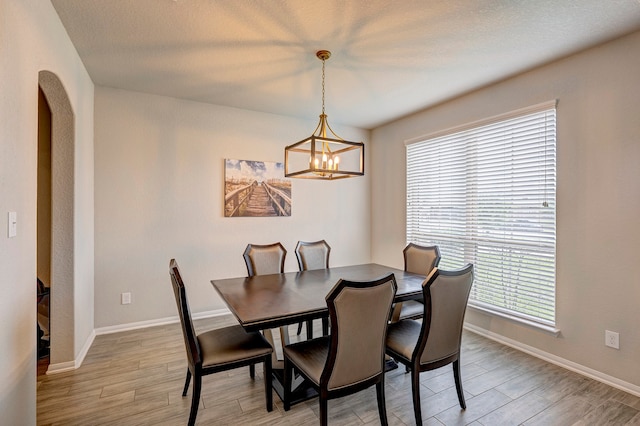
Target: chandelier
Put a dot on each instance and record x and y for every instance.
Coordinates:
(324, 154)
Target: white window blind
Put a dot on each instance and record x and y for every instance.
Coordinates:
(486, 194)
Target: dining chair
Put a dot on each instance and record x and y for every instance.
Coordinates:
(264, 259)
(217, 350)
(435, 341)
(419, 260)
(352, 357)
(313, 255)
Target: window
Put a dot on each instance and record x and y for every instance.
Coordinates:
(485, 193)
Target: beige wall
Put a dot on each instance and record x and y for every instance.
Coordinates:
(159, 194)
(598, 198)
(33, 39)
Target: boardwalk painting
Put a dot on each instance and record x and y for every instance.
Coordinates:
(255, 189)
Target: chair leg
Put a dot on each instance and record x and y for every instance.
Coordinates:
(299, 328)
(268, 383)
(325, 326)
(415, 390)
(195, 399)
(382, 409)
(252, 371)
(456, 376)
(288, 381)
(324, 416)
(186, 383)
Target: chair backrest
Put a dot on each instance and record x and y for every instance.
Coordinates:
(445, 301)
(313, 255)
(359, 312)
(264, 259)
(420, 259)
(188, 331)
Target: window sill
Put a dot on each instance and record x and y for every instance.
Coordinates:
(520, 321)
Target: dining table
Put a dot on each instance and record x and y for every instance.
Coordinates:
(267, 302)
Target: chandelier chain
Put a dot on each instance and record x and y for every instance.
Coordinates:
(323, 86)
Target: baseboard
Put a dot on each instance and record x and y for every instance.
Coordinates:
(160, 321)
(135, 325)
(556, 360)
(211, 314)
(61, 367)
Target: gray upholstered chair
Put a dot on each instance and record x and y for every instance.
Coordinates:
(264, 259)
(217, 350)
(435, 341)
(352, 358)
(419, 260)
(313, 255)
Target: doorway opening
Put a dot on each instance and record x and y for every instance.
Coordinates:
(61, 253)
(43, 276)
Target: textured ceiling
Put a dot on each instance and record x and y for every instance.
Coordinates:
(389, 58)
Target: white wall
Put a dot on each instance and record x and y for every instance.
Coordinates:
(33, 39)
(159, 193)
(598, 198)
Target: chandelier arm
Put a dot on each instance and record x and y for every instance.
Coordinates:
(317, 128)
(332, 132)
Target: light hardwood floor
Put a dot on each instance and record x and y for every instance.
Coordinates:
(136, 378)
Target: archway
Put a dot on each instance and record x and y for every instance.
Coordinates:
(62, 349)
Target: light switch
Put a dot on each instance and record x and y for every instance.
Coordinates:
(13, 224)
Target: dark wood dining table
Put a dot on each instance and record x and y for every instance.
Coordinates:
(265, 302)
(268, 301)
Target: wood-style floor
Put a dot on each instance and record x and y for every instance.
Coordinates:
(136, 378)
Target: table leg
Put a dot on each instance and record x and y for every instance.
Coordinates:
(301, 389)
(309, 329)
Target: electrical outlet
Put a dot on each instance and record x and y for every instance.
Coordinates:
(125, 298)
(612, 339)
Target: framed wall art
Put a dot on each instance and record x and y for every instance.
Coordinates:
(256, 189)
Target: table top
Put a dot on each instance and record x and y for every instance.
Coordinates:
(269, 301)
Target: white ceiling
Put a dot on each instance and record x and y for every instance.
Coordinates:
(389, 58)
